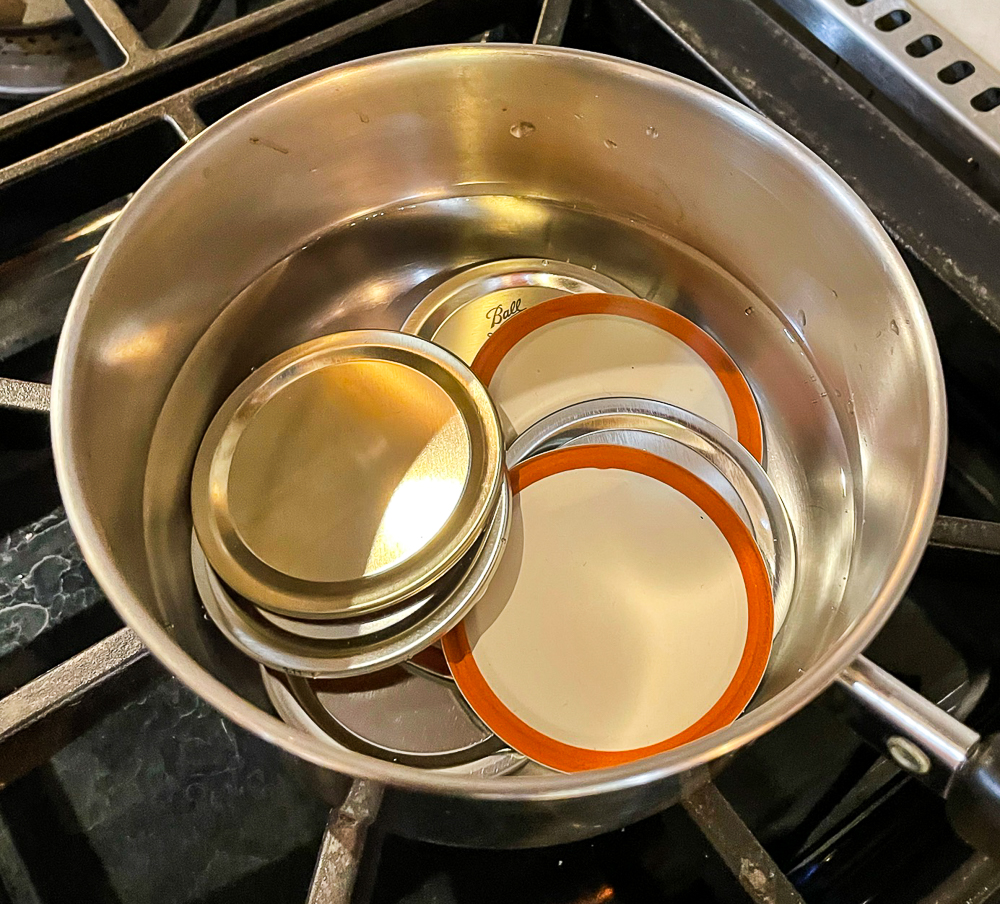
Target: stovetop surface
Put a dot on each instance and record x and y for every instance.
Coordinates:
(159, 798)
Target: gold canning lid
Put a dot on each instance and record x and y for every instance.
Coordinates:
(347, 474)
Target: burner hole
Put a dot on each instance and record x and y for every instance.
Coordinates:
(858, 2)
(923, 46)
(954, 73)
(987, 100)
(892, 21)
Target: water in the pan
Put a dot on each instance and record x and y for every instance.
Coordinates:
(372, 271)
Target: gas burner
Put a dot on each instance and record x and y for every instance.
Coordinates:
(35, 62)
(43, 48)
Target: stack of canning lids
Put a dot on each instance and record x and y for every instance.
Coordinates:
(533, 525)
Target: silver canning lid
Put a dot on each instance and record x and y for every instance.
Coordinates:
(264, 641)
(347, 474)
(351, 629)
(641, 423)
(394, 715)
(694, 463)
(461, 313)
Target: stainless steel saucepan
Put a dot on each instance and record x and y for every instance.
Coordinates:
(343, 199)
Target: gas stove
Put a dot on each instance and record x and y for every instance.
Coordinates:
(119, 784)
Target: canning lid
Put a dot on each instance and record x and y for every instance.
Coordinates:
(631, 612)
(465, 310)
(346, 474)
(393, 715)
(376, 641)
(724, 464)
(592, 346)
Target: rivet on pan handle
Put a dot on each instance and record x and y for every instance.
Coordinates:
(947, 756)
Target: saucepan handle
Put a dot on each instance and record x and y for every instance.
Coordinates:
(24, 396)
(947, 756)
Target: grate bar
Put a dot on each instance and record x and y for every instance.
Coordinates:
(967, 534)
(158, 112)
(174, 109)
(552, 22)
(64, 684)
(24, 396)
(343, 844)
(181, 114)
(739, 849)
(115, 38)
(30, 729)
(140, 63)
(391, 12)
